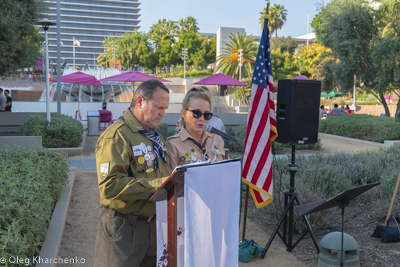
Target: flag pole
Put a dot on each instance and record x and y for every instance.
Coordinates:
(246, 201)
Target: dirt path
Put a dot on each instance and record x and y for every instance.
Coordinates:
(82, 219)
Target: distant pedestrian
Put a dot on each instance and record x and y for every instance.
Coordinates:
(337, 110)
(3, 101)
(104, 105)
(9, 100)
(22, 76)
(322, 112)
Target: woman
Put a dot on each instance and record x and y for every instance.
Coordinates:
(215, 121)
(192, 144)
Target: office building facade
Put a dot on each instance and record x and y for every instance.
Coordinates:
(90, 22)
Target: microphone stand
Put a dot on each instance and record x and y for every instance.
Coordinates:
(226, 148)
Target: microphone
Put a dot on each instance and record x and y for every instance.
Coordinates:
(207, 127)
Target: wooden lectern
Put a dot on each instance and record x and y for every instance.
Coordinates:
(208, 183)
(170, 191)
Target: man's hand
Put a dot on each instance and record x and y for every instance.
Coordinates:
(164, 179)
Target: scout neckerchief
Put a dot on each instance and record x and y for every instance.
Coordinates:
(158, 146)
(202, 148)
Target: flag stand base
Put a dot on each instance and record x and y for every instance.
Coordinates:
(290, 197)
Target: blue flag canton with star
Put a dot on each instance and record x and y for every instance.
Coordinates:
(263, 61)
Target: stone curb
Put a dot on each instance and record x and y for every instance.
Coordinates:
(72, 151)
(51, 246)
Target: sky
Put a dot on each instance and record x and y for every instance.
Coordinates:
(212, 14)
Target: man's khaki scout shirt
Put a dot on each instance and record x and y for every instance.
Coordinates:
(180, 147)
(124, 183)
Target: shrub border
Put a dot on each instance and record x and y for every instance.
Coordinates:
(72, 151)
(55, 231)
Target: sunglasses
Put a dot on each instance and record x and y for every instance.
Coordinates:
(197, 114)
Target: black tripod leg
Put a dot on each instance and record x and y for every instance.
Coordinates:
(283, 217)
(309, 229)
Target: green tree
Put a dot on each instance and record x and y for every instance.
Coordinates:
(20, 42)
(389, 14)
(284, 44)
(188, 24)
(351, 29)
(228, 61)
(283, 65)
(308, 58)
(278, 15)
(192, 41)
(163, 30)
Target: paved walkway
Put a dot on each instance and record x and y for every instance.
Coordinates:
(277, 255)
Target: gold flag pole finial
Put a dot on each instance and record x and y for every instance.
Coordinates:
(266, 15)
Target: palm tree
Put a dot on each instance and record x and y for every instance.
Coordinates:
(278, 18)
(188, 24)
(228, 61)
(163, 30)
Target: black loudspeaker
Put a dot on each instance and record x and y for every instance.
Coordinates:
(297, 111)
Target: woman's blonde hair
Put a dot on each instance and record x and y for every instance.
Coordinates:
(194, 93)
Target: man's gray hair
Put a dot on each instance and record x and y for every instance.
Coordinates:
(146, 90)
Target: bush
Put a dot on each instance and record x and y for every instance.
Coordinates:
(364, 127)
(31, 182)
(239, 133)
(188, 74)
(323, 176)
(162, 129)
(63, 131)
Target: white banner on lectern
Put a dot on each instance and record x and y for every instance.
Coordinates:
(209, 213)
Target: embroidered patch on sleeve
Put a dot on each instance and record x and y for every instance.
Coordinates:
(104, 170)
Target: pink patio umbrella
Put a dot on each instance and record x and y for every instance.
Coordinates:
(79, 78)
(300, 77)
(132, 76)
(221, 79)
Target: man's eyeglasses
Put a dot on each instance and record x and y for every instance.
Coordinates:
(197, 114)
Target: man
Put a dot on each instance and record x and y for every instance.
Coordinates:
(337, 110)
(3, 101)
(104, 105)
(322, 112)
(131, 159)
(9, 100)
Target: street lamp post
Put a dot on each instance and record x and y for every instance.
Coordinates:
(45, 23)
(114, 51)
(105, 53)
(184, 54)
(240, 63)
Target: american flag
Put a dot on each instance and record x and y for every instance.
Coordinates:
(261, 127)
(77, 43)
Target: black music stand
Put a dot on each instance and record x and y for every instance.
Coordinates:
(341, 200)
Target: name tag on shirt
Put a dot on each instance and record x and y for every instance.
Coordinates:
(137, 150)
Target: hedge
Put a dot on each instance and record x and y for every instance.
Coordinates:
(31, 182)
(63, 131)
(364, 127)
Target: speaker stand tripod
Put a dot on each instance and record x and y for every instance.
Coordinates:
(290, 197)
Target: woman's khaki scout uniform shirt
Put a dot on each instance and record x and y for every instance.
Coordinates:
(125, 180)
(183, 151)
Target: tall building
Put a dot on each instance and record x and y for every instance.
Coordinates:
(90, 22)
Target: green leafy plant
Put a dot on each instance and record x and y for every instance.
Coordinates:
(322, 176)
(163, 130)
(31, 182)
(364, 127)
(63, 131)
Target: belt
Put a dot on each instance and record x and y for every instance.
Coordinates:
(138, 217)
